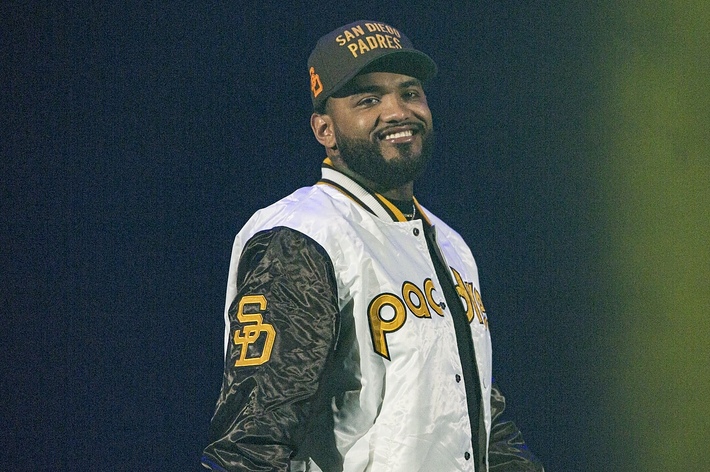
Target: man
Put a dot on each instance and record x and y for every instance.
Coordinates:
(356, 338)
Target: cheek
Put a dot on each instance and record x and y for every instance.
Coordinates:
(364, 122)
(424, 114)
(358, 126)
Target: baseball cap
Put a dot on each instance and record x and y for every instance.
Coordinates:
(363, 46)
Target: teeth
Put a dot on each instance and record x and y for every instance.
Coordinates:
(401, 134)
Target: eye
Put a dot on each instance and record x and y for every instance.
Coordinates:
(368, 101)
(412, 94)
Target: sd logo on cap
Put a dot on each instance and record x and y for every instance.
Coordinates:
(358, 47)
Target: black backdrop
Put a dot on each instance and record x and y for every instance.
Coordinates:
(138, 137)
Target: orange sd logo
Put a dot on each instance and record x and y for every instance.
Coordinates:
(316, 85)
(254, 332)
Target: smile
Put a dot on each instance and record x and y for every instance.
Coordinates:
(400, 134)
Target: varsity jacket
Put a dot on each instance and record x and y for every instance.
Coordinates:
(356, 341)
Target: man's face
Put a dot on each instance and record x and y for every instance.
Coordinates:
(383, 128)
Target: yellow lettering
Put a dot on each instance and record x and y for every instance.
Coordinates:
(476, 309)
(371, 41)
(353, 49)
(379, 326)
(429, 290)
(388, 312)
(479, 304)
(397, 44)
(463, 293)
(418, 307)
(381, 41)
(349, 35)
(383, 28)
(363, 46)
(252, 328)
(358, 30)
(340, 40)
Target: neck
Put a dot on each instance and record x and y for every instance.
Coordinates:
(403, 192)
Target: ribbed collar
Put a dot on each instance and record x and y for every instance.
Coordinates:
(370, 200)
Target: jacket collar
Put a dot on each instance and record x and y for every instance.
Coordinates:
(368, 199)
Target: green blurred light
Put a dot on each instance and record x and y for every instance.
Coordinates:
(657, 189)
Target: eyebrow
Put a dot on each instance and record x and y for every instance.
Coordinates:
(356, 90)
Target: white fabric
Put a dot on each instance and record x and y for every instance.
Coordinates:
(410, 413)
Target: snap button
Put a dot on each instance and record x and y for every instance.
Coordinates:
(458, 378)
(467, 456)
(443, 305)
(415, 231)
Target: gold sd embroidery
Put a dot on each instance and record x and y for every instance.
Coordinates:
(316, 85)
(252, 329)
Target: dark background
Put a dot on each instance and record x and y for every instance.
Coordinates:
(137, 138)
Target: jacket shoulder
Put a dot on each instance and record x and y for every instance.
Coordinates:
(307, 204)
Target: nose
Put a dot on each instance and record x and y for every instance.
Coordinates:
(394, 108)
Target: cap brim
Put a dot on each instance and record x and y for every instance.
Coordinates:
(412, 63)
(409, 62)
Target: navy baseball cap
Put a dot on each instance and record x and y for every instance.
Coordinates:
(363, 46)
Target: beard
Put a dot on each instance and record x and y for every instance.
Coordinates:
(365, 158)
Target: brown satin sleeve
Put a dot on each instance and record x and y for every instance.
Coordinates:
(507, 451)
(270, 392)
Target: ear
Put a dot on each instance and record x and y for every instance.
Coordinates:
(322, 126)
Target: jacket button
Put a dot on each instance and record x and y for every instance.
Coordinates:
(458, 379)
(415, 231)
(467, 456)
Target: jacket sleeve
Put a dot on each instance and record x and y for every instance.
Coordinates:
(507, 451)
(283, 324)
